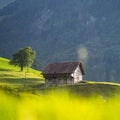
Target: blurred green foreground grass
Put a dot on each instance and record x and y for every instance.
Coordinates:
(58, 106)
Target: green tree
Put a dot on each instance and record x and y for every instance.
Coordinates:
(23, 58)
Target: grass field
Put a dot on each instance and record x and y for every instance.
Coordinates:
(12, 76)
(58, 106)
(83, 101)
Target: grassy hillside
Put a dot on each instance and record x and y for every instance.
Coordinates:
(32, 81)
(11, 75)
(54, 104)
(103, 89)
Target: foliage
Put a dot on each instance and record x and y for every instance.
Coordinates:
(58, 106)
(23, 58)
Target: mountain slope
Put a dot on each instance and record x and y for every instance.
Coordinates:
(4, 3)
(66, 31)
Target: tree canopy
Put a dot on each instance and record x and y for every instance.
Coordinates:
(23, 58)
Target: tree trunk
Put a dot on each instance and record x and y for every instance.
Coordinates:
(21, 68)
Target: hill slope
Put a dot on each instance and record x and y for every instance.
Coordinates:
(12, 79)
(61, 30)
(10, 75)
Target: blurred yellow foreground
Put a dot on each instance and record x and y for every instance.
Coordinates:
(58, 106)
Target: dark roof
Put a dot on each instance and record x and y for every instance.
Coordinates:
(62, 68)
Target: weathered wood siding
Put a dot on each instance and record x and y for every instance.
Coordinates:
(59, 80)
(50, 81)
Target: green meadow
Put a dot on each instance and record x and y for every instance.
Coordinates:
(23, 98)
(12, 76)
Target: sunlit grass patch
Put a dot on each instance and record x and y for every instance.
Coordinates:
(11, 75)
(108, 83)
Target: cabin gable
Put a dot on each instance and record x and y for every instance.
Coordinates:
(77, 75)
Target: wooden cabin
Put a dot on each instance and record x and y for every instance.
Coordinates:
(63, 73)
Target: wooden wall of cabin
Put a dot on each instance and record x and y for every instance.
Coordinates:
(59, 80)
